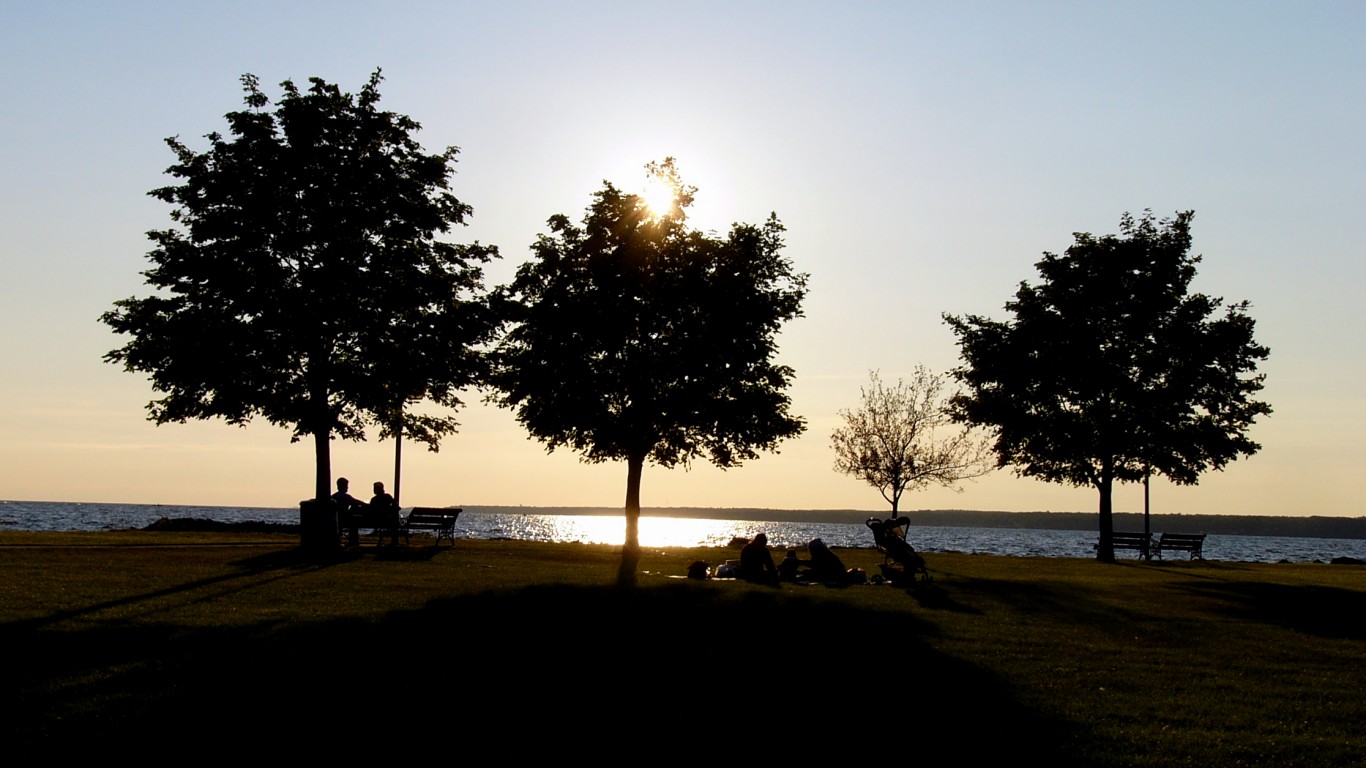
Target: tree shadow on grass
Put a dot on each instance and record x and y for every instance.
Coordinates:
(406, 554)
(296, 558)
(934, 597)
(1323, 611)
(676, 669)
(272, 565)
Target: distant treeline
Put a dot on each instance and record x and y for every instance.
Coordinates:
(1235, 525)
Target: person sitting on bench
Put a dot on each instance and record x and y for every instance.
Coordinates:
(349, 509)
(384, 510)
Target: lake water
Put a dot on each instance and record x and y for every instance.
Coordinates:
(538, 524)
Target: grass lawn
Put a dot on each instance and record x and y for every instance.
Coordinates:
(157, 643)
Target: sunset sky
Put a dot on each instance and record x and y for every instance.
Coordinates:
(922, 155)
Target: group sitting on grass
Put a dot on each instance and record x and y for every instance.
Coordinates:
(822, 565)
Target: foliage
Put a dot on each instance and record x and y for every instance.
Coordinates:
(1111, 369)
(894, 440)
(304, 282)
(635, 338)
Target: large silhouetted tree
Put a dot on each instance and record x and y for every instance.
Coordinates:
(1111, 369)
(304, 282)
(634, 338)
(900, 438)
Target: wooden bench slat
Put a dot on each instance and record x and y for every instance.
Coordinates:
(1140, 541)
(1193, 543)
(438, 519)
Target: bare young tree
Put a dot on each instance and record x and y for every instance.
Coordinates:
(900, 438)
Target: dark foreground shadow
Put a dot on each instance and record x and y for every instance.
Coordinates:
(935, 597)
(656, 675)
(1321, 611)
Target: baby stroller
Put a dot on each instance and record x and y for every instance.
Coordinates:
(901, 564)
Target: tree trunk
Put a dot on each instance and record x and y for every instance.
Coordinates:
(320, 425)
(318, 533)
(322, 445)
(1105, 551)
(630, 551)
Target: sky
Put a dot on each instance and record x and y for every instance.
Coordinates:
(922, 155)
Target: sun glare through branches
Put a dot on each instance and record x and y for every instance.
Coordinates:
(659, 197)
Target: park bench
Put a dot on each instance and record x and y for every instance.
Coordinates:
(384, 526)
(439, 521)
(1194, 543)
(1143, 542)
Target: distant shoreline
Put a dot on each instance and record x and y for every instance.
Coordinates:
(1232, 525)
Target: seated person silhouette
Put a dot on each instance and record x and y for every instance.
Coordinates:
(824, 564)
(756, 563)
(788, 568)
(349, 510)
(384, 510)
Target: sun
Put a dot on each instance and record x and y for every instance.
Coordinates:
(659, 198)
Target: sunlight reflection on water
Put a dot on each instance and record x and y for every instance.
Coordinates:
(605, 529)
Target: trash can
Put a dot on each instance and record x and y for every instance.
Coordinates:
(318, 531)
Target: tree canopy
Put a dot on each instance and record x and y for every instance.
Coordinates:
(900, 438)
(304, 282)
(635, 338)
(1111, 369)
